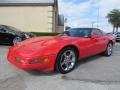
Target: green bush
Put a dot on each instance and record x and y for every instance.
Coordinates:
(44, 33)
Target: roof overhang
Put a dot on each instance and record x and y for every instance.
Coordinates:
(26, 2)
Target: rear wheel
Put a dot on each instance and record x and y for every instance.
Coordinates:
(66, 60)
(109, 50)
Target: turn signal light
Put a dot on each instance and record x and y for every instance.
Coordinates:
(19, 60)
(38, 61)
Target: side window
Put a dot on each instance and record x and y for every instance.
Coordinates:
(97, 31)
(2, 30)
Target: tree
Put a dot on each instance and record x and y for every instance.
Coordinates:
(114, 18)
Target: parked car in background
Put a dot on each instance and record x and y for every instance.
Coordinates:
(111, 33)
(10, 35)
(116, 35)
(30, 34)
(61, 52)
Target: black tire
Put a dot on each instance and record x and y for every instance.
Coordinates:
(16, 40)
(117, 41)
(109, 50)
(59, 60)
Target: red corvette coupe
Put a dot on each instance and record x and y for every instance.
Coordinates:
(60, 52)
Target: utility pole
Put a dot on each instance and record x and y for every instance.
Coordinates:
(98, 16)
(65, 22)
(93, 24)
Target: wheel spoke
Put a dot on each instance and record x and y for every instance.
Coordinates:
(71, 54)
(63, 63)
(67, 66)
(65, 55)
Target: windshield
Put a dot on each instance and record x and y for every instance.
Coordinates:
(78, 32)
(12, 29)
(9, 28)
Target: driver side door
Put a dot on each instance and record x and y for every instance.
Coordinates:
(87, 47)
(100, 44)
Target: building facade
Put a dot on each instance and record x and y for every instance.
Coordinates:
(31, 15)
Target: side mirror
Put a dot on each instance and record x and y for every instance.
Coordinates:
(94, 36)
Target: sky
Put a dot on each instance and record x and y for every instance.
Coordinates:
(88, 13)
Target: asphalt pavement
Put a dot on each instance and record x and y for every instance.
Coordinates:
(94, 73)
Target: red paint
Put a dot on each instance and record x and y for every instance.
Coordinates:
(40, 48)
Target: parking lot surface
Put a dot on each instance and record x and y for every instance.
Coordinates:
(94, 73)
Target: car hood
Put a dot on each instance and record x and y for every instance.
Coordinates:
(37, 45)
(40, 41)
(40, 45)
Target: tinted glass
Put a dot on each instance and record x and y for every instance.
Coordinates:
(96, 31)
(11, 29)
(118, 32)
(2, 30)
(78, 32)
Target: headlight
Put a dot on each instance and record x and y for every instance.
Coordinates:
(39, 61)
(19, 60)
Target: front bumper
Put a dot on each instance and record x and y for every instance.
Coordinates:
(44, 66)
(118, 38)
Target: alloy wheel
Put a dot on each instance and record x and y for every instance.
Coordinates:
(109, 49)
(68, 59)
(16, 40)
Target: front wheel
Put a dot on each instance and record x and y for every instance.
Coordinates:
(16, 40)
(66, 60)
(109, 50)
